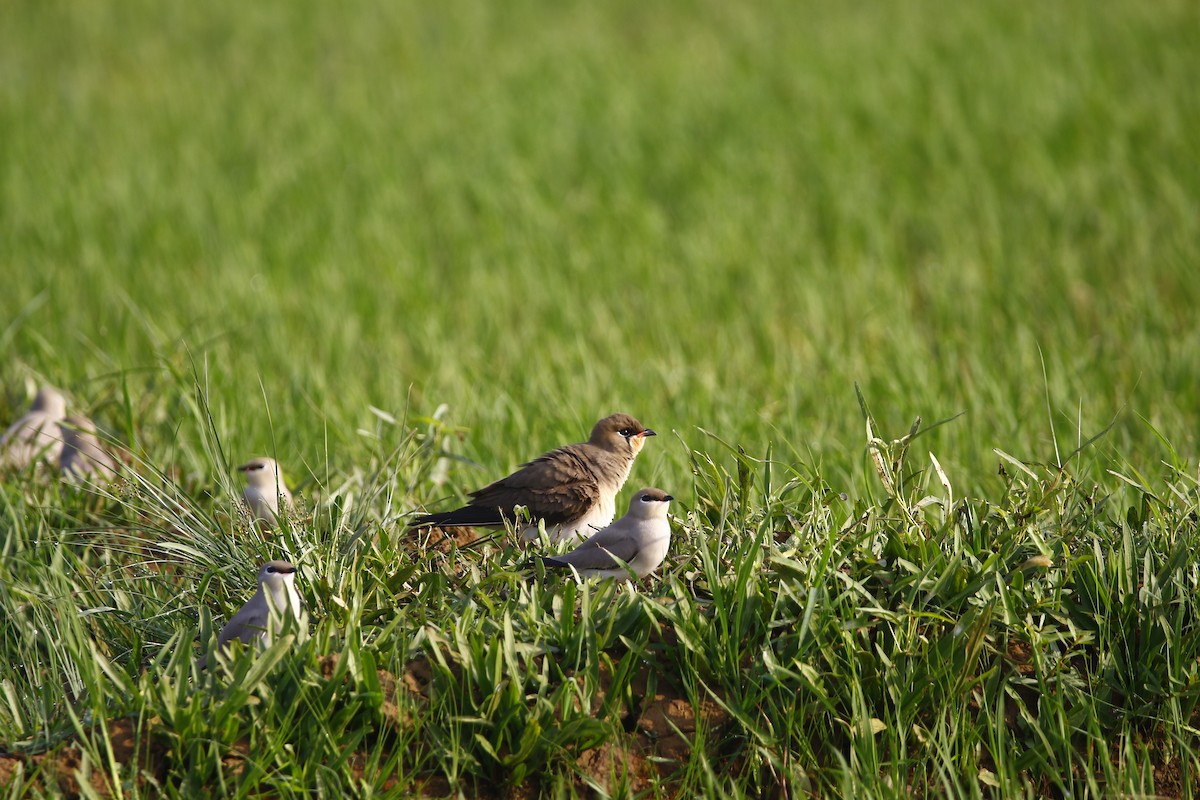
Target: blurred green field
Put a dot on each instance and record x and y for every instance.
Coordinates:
(709, 216)
(230, 229)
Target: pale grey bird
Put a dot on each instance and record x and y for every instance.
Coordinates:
(572, 489)
(264, 614)
(83, 458)
(640, 539)
(265, 489)
(36, 434)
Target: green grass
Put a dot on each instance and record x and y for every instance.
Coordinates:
(404, 248)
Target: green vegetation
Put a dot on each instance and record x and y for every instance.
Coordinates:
(404, 247)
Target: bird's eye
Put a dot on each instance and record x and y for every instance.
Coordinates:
(271, 570)
(626, 432)
(647, 498)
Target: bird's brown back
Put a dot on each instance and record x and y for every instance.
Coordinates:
(558, 486)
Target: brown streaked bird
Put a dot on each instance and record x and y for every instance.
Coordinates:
(572, 489)
(265, 489)
(83, 458)
(636, 543)
(36, 434)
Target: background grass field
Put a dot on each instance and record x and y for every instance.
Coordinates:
(231, 229)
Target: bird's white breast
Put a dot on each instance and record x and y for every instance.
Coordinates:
(653, 551)
(264, 504)
(284, 601)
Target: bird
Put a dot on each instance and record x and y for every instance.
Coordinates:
(264, 490)
(639, 539)
(264, 614)
(573, 489)
(83, 457)
(36, 434)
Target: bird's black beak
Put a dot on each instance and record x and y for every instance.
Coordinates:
(647, 432)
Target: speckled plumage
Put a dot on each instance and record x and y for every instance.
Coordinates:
(572, 488)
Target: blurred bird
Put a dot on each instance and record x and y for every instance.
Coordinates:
(640, 539)
(573, 489)
(264, 614)
(83, 458)
(36, 434)
(264, 490)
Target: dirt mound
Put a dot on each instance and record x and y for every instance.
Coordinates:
(443, 540)
(658, 734)
(657, 742)
(69, 769)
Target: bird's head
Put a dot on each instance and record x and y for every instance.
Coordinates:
(649, 503)
(620, 433)
(49, 401)
(261, 473)
(276, 574)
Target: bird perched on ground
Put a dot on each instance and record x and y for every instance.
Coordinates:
(265, 613)
(573, 489)
(36, 434)
(640, 539)
(265, 489)
(83, 458)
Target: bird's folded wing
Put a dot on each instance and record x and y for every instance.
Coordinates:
(601, 555)
(557, 487)
(246, 625)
